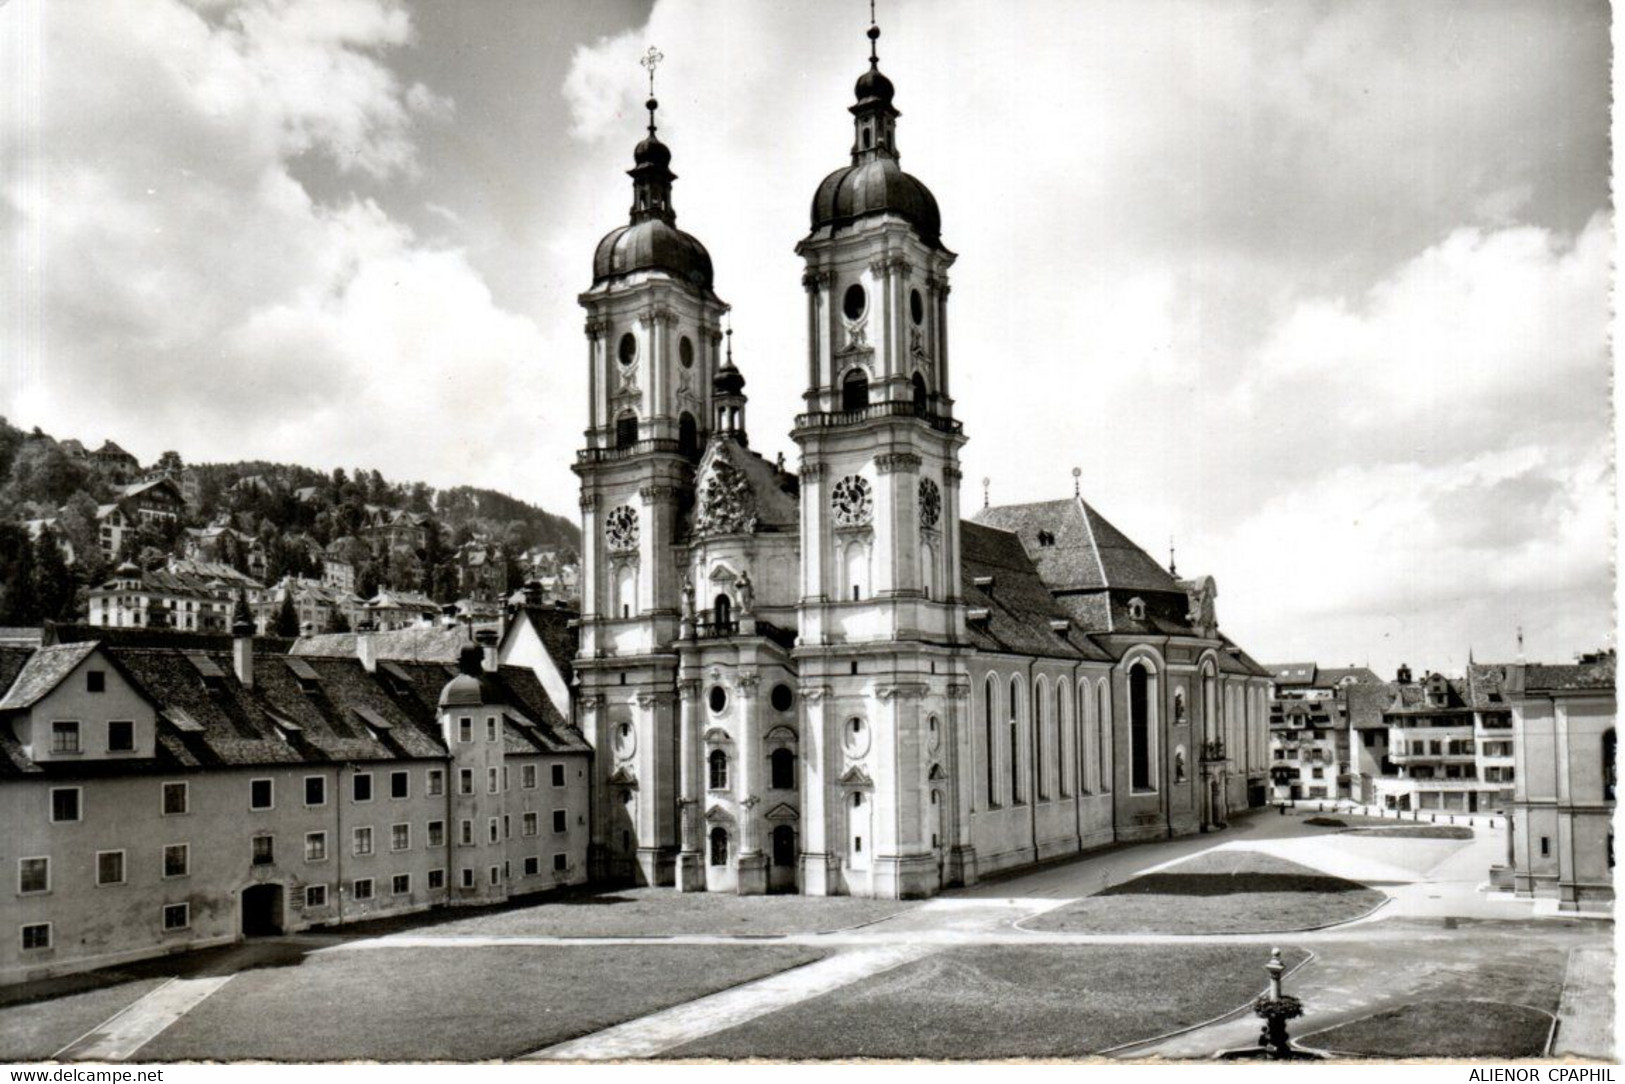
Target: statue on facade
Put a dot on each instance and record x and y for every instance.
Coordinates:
(747, 593)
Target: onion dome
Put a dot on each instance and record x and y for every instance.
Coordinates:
(651, 241)
(729, 380)
(874, 184)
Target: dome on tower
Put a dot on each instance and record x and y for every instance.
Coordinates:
(878, 186)
(872, 84)
(651, 245)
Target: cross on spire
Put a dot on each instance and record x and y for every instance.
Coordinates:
(651, 60)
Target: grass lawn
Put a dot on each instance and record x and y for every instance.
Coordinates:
(1229, 891)
(38, 1029)
(1006, 1002)
(1441, 1029)
(1420, 831)
(452, 1004)
(656, 912)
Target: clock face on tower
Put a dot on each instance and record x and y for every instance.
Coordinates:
(621, 528)
(930, 503)
(853, 504)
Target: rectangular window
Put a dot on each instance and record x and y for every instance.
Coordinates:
(177, 916)
(465, 781)
(1545, 846)
(177, 860)
(490, 728)
(109, 867)
(120, 736)
(95, 681)
(437, 879)
(315, 846)
(533, 866)
(561, 821)
(507, 827)
(315, 790)
(560, 863)
(558, 775)
(495, 874)
(361, 888)
(362, 841)
(64, 804)
(506, 785)
(398, 785)
(527, 777)
(261, 794)
(437, 833)
(490, 780)
(64, 737)
(361, 787)
(527, 824)
(436, 782)
(466, 836)
(36, 935)
(175, 799)
(33, 875)
(315, 895)
(492, 832)
(400, 884)
(264, 850)
(468, 877)
(465, 730)
(400, 837)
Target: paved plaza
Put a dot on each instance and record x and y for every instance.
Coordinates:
(974, 973)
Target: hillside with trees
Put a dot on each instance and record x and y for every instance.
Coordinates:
(54, 492)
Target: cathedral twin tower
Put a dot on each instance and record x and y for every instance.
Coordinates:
(768, 662)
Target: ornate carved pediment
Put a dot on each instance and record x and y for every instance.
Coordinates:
(725, 503)
(718, 815)
(780, 735)
(782, 812)
(936, 773)
(623, 776)
(716, 735)
(855, 776)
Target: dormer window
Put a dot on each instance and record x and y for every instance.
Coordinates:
(1136, 608)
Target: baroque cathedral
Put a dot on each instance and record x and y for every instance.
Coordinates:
(827, 681)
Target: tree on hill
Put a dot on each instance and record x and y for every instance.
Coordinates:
(287, 618)
(53, 584)
(19, 604)
(337, 622)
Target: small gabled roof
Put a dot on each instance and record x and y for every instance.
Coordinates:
(44, 671)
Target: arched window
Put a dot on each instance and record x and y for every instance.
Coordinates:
(989, 696)
(928, 570)
(919, 393)
(688, 436)
(1063, 729)
(784, 845)
(1609, 772)
(1104, 744)
(855, 390)
(1139, 717)
(1015, 742)
(722, 612)
(1040, 720)
(719, 846)
(626, 590)
(1088, 760)
(782, 770)
(718, 762)
(857, 569)
(626, 430)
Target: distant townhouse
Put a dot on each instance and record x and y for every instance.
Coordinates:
(1309, 729)
(314, 604)
(394, 530)
(400, 609)
(482, 571)
(115, 465)
(150, 503)
(1560, 836)
(1437, 731)
(167, 798)
(189, 596)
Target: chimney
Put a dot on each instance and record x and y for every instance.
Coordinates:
(1404, 677)
(242, 641)
(471, 660)
(533, 592)
(365, 649)
(487, 641)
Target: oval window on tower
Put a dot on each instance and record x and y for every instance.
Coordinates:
(916, 307)
(782, 698)
(718, 699)
(628, 348)
(855, 302)
(685, 352)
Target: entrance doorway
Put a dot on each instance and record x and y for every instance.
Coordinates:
(781, 875)
(262, 910)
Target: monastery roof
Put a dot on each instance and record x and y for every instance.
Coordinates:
(422, 645)
(1597, 674)
(1021, 612)
(1087, 552)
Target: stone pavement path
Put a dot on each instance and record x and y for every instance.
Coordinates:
(124, 1034)
(651, 1035)
(1585, 1016)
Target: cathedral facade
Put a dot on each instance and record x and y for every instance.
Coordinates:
(827, 681)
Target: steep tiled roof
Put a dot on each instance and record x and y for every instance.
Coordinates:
(1019, 607)
(428, 644)
(1293, 673)
(1597, 674)
(145, 637)
(42, 673)
(1336, 675)
(1484, 687)
(1366, 703)
(1087, 552)
(552, 624)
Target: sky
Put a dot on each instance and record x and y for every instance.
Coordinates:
(1317, 290)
